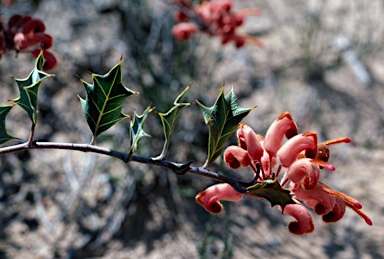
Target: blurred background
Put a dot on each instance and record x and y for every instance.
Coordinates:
(322, 62)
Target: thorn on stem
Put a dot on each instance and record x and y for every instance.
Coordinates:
(183, 169)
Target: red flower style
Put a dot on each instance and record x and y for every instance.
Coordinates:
(26, 34)
(299, 161)
(214, 17)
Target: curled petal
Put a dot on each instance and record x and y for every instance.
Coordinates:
(45, 40)
(235, 157)
(304, 172)
(211, 197)
(18, 21)
(292, 148)
(317, 198)
(49, 61)
(184, 30)
(14, 20)
(248, 139)
(337, 212)
(33, 26)
(303, 224)
(284, 125)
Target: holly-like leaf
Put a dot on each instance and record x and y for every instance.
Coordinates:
(223, 119)
(169, 119)
(104, 99)
(4, 137)
(272, 191)
(137, 132)
(29, 87)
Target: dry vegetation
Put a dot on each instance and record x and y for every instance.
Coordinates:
(57, 204)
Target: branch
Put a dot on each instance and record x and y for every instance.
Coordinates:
(177, 168)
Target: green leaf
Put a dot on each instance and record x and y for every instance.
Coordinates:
(4, 137)
(272, 191)
(223, 119)
(29, 87)
(137, 132)
(104, 99)
(169, 119)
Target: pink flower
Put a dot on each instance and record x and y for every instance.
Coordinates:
(299, 160)
(216, 18)
(303, 172)
(211, 197)
(282, 126)
(26, 34)
(249, 141)
(184, 30)
(236, 156)
(317, 198)
(337, 211)
(303, 223)
(293, 147)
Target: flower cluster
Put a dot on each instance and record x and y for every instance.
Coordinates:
(26, 34)
(300, 158)
(214, 17)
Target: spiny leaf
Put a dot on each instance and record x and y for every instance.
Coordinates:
(4, 137)
(169, 119)
(104, 100)
(137, 131)
(272, 191)
(223, 119)
(29, 88)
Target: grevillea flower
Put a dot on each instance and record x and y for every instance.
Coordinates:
(211, 197)
(214, 17)
(299, 160)
(249, 141)
(26, 34)
(282, 126)
(303, 223)
(302, 171)
(236, 156)
(184, 31)
(291, 149)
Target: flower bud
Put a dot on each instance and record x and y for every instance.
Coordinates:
(303, 224)
(235, 157)
(304, 172)
(284, 125)
(184, 30)
(292, 148)
(317, 198)
(337, 212)
(211, 197)
(249, 141)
